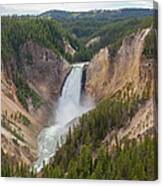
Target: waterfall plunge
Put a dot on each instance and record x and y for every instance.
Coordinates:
(69, 108)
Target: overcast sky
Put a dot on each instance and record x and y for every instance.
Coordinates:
(22, 9)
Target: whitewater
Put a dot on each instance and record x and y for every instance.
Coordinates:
(69, 107)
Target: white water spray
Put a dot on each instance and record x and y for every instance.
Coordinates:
(69, 107)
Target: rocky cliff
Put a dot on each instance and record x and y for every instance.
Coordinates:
(106, 75)
(129, 75)
(30, 86)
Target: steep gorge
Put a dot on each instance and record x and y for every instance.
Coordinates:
(123, 87)
(121, 129)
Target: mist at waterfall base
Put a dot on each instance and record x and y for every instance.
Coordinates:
(69, 107)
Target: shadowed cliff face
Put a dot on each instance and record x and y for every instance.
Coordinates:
(106, 75)
(43, 73)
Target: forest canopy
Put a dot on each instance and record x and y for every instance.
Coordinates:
(50, 33)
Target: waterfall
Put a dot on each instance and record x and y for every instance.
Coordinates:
(69, 107)
(71, 90)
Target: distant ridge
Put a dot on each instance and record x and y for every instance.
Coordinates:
(99, 14)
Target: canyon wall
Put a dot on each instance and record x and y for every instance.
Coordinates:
(105, 75)
(127, 76)
(39, 73)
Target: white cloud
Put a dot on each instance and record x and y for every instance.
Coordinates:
(38, 8)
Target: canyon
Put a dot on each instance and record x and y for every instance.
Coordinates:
(54, 105)
(105, 77)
